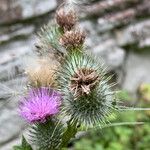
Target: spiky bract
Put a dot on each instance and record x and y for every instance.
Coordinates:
(49, 41)
(47, 136)
(94, 107)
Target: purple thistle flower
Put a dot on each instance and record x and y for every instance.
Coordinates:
(40, 104)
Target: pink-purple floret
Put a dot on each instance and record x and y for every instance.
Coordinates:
(40, 104)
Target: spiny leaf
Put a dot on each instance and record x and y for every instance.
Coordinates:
(49, 38)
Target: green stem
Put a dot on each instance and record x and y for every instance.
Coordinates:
(70, 133)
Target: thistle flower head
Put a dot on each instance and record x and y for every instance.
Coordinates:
(40, 104)
(87, 96)
(66, 18)
(72, 39)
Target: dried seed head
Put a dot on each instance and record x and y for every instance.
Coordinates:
(66, 19)
(41, 77)
(43, 74)
(72, 39)
(83, 81)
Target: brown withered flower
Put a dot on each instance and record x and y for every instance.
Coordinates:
(72, 39)
(66, 19)
(83, 81)
(42, 74)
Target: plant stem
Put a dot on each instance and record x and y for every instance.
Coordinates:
(70, 133)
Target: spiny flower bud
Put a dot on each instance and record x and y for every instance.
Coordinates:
(72, 39)
(83, 81)
(66, 19)
(87, 96)
(47, 135)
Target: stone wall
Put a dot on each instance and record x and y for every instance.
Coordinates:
(19, 21)
(113, 34)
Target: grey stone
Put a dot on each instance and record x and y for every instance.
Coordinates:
(105, 25)
(11, 32)
(133, 33)
(91, 35)
(112, 55)
(11, 91)
(145, 43)
(11, 125)
(12, 55)
(11, 69)
(14, 50)
(36, 7)
(137, 71)
(9, 11)
(12, 10)
(9, 145)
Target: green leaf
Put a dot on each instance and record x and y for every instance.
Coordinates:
(69, 133)
(24, 146)
(17, 148)
(124, 95)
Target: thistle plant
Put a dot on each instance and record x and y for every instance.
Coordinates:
(68, 89)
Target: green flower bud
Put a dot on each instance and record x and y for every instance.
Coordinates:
(87, 96)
